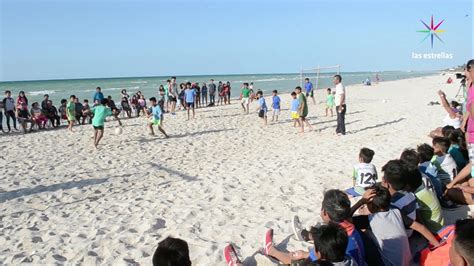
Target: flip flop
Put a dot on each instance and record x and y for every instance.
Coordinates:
(230, 255)
(268, 242)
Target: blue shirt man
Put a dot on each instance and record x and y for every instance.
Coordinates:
(98, 96)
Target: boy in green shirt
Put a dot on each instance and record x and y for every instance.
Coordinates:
(302, 109)
(100, 114)
(71, 112)
(245, 97)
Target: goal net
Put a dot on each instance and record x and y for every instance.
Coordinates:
(321, 77)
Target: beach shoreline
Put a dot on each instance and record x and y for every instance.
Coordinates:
(220, 178)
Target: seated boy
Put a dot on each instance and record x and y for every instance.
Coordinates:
(335, 208)
(364, 174)
(172, 251)
(394, 178)
(330, 242)
(387, 226)
(447, 168)
(429, 171)
(430, 208)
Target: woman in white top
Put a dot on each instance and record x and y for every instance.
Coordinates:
(453, 117)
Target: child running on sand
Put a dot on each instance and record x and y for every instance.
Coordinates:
(71, 112)
(364, 175)
(294, 110)
(330, 102)
(276, 105)
(262, 107)
(100, 113)
(154, 113)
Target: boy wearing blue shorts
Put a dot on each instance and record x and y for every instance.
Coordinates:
(154, 114)
(364, 174)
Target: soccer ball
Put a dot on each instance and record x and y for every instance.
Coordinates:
(118, 131)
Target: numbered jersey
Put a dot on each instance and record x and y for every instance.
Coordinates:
(365, 175)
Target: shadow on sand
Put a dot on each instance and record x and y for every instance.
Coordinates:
(22, 192)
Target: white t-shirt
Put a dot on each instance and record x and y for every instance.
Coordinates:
(448, 167)
(454, 122)
(365, 175)
(340, 90)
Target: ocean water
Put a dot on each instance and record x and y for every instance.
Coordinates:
(85, 88)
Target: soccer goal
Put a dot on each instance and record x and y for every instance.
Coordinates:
(319, 75)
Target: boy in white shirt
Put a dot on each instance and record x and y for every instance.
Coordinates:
(444, 162)
(364, 174)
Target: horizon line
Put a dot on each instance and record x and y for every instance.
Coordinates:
(200, 75)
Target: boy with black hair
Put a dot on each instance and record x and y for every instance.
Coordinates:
(447, 168)
(429, 170)
(155, 115)
(276, 105)
(430, 209)
(172, 251)
(71, 112)
(190, 97)
(100, 113)
(295, 103)
(245, 97)
(262, 107)
(387, 226)
(462, 248)
(364, 174)
(335, 209)
(302, 109)
(395, 174)
(330, 242)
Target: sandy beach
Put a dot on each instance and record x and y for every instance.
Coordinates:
(220, 178)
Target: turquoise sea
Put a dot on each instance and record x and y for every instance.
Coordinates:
(85, 88)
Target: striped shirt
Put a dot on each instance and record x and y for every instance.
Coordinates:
(407, 204)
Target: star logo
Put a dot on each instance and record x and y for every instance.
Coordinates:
(431, 31)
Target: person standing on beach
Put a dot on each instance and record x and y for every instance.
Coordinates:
(340, 105)
(228, 92)
(190, 97)
(309, 89)
(44, 103)
(197, 95)
(174, 95)
(167, 88)
(9, 108)
(245, 97)
(98, 96)
(302, 109)
(204, 94)
(220, 91)
(71, 112)
(212, 93)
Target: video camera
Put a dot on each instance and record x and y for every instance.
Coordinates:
(460, 76)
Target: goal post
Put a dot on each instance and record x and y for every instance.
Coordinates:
(318, 70)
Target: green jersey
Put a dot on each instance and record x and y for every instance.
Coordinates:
(245, 92)
(302, 100)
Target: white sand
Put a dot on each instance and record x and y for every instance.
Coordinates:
(220, 178)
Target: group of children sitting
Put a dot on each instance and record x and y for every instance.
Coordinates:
(388, 215)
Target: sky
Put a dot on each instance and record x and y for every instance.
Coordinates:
(92, 39)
